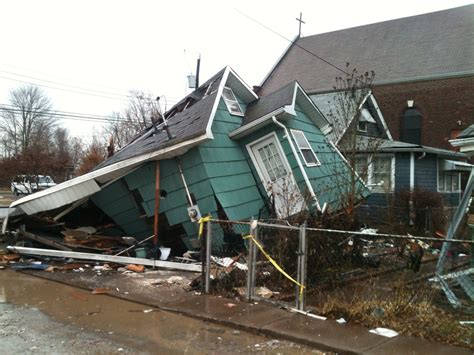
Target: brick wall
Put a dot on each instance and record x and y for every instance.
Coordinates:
(442, 102)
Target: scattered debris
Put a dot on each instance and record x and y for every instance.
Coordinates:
(263, 292)
(100, 291)
(341, 320)
(135, 268)
(389, 333)
(29, 266)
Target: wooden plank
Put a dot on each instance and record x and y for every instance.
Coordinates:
(157, 203)
(109, 258)
(44, 241)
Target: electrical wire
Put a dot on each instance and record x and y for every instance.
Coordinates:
(295, 44)
(76, 117)
(67, 85)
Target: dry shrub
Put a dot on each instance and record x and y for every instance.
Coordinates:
(427, 206)
(405, 309)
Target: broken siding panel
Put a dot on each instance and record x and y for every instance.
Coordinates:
(117, 202)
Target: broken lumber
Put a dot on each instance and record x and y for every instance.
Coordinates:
(45, 241)
(109, 258)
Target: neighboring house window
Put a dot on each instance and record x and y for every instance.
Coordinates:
(364, 118)
(376, 171)
(306, 151)
(362, 126)
(382, 172)
(410, 126)
(231, 102)
(448, 181)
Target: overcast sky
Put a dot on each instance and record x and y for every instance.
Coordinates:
(106, 48)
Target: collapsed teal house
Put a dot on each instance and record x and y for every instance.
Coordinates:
(221, 149)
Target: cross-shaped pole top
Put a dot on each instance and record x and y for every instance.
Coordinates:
(300, 20)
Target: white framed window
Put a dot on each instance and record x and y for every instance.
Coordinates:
(382, 172)
(276, 175)
(448, 181)
(231, 102)
(305, 149)
(362, 126)
(377, 171)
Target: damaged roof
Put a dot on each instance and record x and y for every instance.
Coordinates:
(185, 125)
(429, 45)
(185, 120)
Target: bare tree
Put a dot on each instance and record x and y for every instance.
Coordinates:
(352, 92)
(26, 120)
(141, 112)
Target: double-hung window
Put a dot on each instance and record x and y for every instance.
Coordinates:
(448, 181)
(376, 171)
(305, 149)
(231, 102)
(382, 172)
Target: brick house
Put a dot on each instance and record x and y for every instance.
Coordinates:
(424, 71)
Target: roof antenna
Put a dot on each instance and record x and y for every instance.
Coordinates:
(165, 123)
(197, 70)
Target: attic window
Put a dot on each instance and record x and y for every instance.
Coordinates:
(231, 102)
(306, 151)
(362, 126)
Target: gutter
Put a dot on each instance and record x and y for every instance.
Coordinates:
(248, 128)
(298, 160)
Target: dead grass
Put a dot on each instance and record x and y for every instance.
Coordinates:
(410, 311)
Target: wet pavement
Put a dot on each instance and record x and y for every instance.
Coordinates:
(41, 316)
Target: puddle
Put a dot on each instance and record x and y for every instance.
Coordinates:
(146, 329)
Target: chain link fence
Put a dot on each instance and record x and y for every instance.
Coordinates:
(364, 277)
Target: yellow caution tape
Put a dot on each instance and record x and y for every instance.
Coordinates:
(201, 224)
(275, 264)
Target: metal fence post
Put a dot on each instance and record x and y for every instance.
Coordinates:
(207, 268)
(301, 268)
(251, 261)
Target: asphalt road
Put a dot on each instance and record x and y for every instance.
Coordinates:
(39, 316)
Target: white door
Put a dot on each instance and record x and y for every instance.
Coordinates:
(274, 170)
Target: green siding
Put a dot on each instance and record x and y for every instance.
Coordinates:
(118, 203)
(228, 168)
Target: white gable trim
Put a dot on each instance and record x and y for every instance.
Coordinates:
(326, 128)
(228, 71)
(352, 118)
(384, 124)
(278, 61)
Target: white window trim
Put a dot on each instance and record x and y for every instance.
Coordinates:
(444, 191)
(229, 108)
(362, 130)
(310, 148)
(256, 160)
(370, 170)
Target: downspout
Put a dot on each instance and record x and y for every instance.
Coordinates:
(300, 165)
(412, 188)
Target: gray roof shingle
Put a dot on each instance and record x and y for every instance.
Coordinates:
(433, 44)
(269, 103)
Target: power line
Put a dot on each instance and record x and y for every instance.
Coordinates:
(61, 89)
(294, 43)
(68, 85)
(72, 116)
